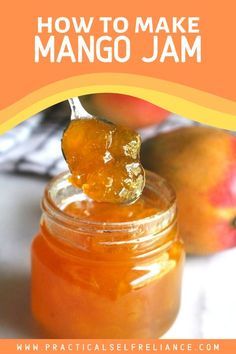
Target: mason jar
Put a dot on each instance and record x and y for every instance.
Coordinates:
(106, 279)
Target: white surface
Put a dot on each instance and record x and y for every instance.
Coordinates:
(19, 219)
(219, 315)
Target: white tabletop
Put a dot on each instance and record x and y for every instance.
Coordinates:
(19, 219)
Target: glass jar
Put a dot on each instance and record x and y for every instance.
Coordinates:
(93, 279)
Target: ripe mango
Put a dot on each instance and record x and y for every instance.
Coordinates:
(200, 163)
(123, 109)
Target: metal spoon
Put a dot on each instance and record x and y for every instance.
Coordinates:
(77, 110)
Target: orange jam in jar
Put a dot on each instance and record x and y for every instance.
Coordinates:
(107, 270)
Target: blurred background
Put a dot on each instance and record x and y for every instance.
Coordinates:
(30, 154)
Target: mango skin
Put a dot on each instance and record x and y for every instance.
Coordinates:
(123, 109)
(200, 163)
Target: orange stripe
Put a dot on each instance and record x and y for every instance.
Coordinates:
(12, 346)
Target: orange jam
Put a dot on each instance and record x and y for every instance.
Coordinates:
(104, 270)
(104, 160)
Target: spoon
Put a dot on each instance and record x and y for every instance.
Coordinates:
(77, 110)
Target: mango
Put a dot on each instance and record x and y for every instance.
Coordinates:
(123, 109)
(200, 163)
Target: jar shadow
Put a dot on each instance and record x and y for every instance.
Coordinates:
(15, 313)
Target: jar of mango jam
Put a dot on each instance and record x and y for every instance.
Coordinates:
(104, 270)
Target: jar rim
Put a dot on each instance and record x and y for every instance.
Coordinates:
(53, 210)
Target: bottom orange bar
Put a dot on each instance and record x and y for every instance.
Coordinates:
(12, 346)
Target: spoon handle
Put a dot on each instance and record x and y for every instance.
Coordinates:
(77, 110)
(74, 104)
